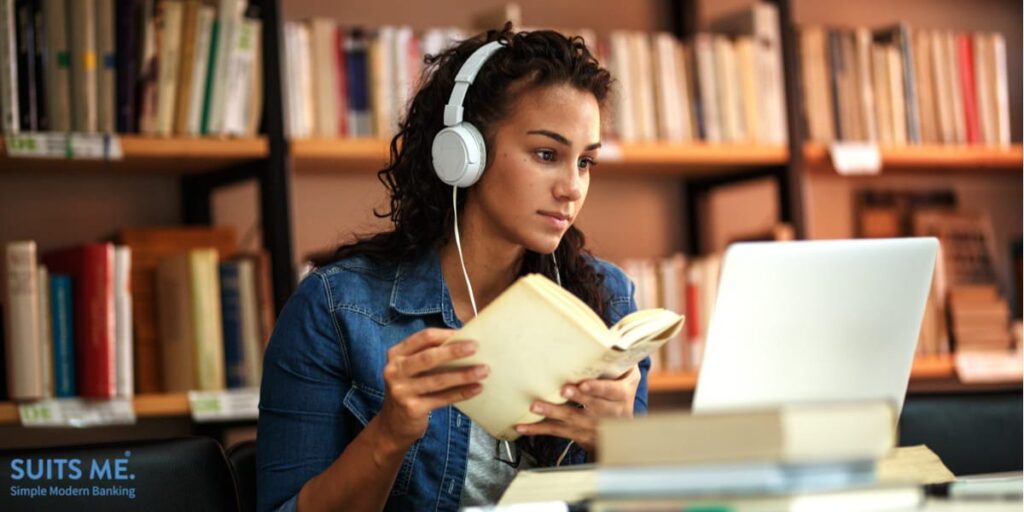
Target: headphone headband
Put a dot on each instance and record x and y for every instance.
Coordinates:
(453, 111)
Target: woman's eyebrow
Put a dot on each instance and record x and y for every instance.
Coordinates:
(561, 138)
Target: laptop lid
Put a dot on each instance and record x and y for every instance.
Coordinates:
(815, 321)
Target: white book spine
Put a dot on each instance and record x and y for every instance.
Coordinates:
(123, 320)
(1002, 90)
(24, 372)
(240, 69)
(229, 15)
(306, 98)
(899, 117)
(953, 76)
(863, 40)
(9, 69)
(683, 79)
(624, 118)
(169, 60)
(200, 64)
(402, 83)
(325, 77)
(705, 55)
(252, 347)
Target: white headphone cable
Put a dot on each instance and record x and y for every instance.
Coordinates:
(458, 244)
(472, 298)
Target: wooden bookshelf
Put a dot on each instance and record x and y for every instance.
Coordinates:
(925, 370)
(146, 406)
(370, 155)
(932, 159)
(142, 154)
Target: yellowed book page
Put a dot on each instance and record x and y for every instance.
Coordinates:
(532, 351)
(560, 485)
(913, 464)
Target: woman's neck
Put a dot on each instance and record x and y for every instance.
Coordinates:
(492, 264)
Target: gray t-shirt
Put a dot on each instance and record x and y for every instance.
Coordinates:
(486, 476)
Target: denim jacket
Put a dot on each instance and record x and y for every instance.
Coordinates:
(323, 378)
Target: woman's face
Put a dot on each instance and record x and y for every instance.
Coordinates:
(539, 173)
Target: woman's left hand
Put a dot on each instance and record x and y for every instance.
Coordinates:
(599, 398)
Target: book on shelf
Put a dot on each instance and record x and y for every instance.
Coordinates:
(536, 337)
(899, 86)
(189, 307)
(157, 68)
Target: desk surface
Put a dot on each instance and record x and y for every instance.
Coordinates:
(941, 505)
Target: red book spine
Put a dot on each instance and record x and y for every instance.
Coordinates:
(692, 312)
(965, 62)
(91, 268)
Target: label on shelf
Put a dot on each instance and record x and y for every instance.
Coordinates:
(226, 405)
(77, 412)
(988, 366)
(856, 158)
(78, 146)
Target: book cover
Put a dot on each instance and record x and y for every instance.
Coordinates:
(23, 350)
(231, 308)
(536, 337)
(11, 118)
(82, 49)
(123, 320)
(127, 57)
(26, 51)
(45, 334)
(62, 315)
(106, 67)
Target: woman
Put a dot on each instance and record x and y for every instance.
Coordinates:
(353, 414)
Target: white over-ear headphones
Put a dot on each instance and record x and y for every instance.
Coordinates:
(458, 151)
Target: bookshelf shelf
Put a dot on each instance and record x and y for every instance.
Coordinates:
(369, 155)
(146, 406)
(932, 159)
(171, 155)
(926, 372)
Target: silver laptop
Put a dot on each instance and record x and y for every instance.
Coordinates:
(820, 321)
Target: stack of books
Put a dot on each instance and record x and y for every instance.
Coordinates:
(796, 457)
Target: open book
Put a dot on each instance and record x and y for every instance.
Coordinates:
(536, 337)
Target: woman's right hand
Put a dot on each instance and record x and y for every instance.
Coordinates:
(414, 386)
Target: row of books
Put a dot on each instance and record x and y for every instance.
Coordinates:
(130, 66)
(964, 317)
(900, 86)
(722, 87)
(681, 284)
(159, 312)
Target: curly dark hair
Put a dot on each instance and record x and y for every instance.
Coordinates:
(421, 206)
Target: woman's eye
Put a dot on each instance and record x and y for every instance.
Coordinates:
(546, 155)
(587, 163)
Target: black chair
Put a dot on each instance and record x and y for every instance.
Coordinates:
(243, 463)
(971, 433)
(186, 474)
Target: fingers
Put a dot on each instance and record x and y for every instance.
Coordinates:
(617, 390)
(429, 337)
(448, 379)
(450, 396)
(431, 358)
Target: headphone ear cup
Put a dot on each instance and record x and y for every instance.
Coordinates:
(459, 155)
